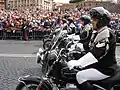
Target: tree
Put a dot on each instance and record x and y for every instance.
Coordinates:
(75, 1)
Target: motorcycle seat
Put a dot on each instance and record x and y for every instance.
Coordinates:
(110, 82)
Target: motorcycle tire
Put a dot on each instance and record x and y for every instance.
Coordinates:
(31, 86)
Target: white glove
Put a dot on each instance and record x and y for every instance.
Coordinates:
(72, 63)
(80, 45)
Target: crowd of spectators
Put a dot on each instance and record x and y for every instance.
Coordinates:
(37, 20)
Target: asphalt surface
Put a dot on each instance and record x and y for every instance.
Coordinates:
(18, 58)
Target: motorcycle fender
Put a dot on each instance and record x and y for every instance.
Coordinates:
(29, 78)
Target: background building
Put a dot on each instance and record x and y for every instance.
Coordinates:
(30, 4)
(2, 5)
(87, 4)
(118, 1)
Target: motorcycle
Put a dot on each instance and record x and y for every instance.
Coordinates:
(31, 82)
(62, 40)
(51, 79)
(50, 39)
(55, 34)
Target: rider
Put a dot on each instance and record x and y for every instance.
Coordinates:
(101, 49)
(86, 31)
(85, 35)
(71, 25)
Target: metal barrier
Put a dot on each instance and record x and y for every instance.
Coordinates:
(18, 34)
(38, 34)
(1, 34)
(12, 34)
(30, 34)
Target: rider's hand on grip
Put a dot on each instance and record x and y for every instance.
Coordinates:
(79, 68)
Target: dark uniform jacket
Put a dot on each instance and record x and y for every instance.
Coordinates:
(102, 46)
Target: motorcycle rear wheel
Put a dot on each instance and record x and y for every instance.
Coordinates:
(30, 86)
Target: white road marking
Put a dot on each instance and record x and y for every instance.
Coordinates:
(18, 55)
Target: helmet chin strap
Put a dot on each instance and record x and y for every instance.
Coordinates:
(98, 25)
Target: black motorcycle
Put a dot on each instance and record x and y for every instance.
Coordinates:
(31, 82)
(49, 40)
(53, 61)
(57, 33)
(51, 79)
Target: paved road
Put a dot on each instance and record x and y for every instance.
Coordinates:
(17, 58)
(12, 68)
(19, 47)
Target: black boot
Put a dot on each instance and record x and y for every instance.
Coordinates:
(85, 86)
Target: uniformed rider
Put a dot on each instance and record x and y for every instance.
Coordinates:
(99, 62)
(86, 31)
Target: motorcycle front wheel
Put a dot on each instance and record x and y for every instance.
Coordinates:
(28, 86)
